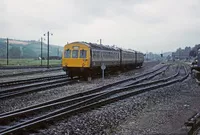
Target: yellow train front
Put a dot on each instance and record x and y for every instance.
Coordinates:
(85, 59)
(76, 59)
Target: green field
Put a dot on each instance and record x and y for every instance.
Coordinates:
(28, 62)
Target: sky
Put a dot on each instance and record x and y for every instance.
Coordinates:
(143, 25)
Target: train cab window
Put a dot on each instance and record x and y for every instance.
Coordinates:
(75, 54)
(83, 53)
(67, 53)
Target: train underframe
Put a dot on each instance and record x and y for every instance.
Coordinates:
(88, 73)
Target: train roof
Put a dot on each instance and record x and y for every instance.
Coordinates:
(98, 46)
(104, 47)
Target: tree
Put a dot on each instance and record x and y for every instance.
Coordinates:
(15, 52)
(2, 50)
(196, 47)
(193, 53)
(29, 53)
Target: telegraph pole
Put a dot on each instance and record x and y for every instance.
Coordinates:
(48, 48)
(7, 50)
(41, 51)
(100, 41)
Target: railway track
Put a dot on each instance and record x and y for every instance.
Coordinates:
(30, 72)
(140, 78)
(28, 67)
(28, 81)
(15, 91)
(29, 117)
(39, 86)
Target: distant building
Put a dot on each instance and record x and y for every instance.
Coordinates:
(182, 53)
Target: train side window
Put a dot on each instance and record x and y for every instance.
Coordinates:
(68, 53)
(75, 54)
(83, 53)
(98, 55)
(102, 55)
(94, 54)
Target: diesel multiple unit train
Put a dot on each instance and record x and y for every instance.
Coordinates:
(85, 59)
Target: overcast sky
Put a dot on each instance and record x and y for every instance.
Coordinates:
(144, 25)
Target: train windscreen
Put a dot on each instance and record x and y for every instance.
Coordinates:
(83, 53)
(75, 54)
(68, 53)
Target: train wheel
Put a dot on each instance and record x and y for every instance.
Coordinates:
(71, 75)
(85, 77)
(88, 76)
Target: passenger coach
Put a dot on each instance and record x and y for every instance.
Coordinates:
(85, 59)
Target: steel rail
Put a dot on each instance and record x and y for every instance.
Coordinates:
(5, 95)
(98, 89)
(78, 99)
(27, 67)
(86, 105)
(26, 81)
(100, 96)
(34, 88)
(29, 73)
